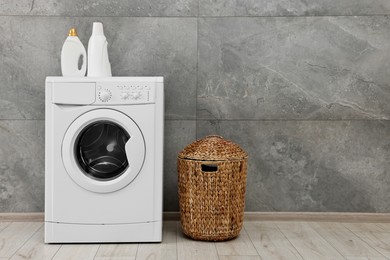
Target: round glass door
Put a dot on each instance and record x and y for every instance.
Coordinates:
(103, 150)
(100, 150)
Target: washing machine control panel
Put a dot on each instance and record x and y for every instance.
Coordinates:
(124, 93)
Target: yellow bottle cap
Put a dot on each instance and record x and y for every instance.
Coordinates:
(72, 32)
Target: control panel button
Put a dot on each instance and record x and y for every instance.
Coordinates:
(136, 95)
(125, 95)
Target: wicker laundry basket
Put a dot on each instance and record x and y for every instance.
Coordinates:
(212, 184)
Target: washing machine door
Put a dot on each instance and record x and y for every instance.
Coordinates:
(103, 150)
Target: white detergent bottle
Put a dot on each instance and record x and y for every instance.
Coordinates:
(73, 56)
(98, 62)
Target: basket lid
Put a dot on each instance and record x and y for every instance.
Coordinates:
(213, 148)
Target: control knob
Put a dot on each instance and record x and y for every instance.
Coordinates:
(105, 95)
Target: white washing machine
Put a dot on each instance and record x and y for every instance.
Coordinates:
(104, 158)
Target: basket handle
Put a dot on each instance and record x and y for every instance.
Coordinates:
(214, 136)
(209, 167)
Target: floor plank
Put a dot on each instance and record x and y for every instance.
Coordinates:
(34, 248)
(188, 249)
(3, 225)
(166, 250)
(345, 242)
(117, 250)
(366, 258)
(77, 252)
(384, 226)
(365, 227)
(242, 245)
(269, 242)
(14, 235)
(307, 241)
(115, 258)
(239, 257)
(379, 241)
(376, 238)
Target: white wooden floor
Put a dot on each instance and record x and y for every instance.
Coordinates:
(258, 240)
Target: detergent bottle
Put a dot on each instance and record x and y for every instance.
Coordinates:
(73, 56)
(98, 62)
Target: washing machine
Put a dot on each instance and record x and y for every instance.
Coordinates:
(103, 159)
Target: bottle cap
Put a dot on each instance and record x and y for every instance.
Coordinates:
(72, 32)
(97, 28)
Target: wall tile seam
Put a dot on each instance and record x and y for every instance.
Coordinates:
(40, 119)
(179, 119)
(172, 119)
(241, 120)
(294, 120)
(195, 16)
(22, 119)
(43, 119)
(92, 16)
(293, 16)
(197, 73)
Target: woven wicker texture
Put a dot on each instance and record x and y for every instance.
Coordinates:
(213, 148)
(212, 202)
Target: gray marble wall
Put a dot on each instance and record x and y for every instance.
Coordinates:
(303, 86)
